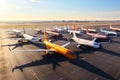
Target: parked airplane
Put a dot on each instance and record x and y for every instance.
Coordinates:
(54, 48)
(54, 34)
(38, 31)
(115, 29)
(95, 35)
(15, 32)
(84, 42)
(91, 30)
(75, 31)
(65, 28)
(28, 38)
(58, 29)
(108, 32)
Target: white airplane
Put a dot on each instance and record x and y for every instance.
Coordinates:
(74, 31)
(28, 38)
(84, 42)
(108, 32)
(58, 29)
(64, 28)
(15, 32)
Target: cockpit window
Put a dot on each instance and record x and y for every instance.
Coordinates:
(70, 53)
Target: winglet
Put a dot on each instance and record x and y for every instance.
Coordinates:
(45, 36)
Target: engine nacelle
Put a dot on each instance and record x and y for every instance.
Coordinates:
(40, 40)
(20, 41)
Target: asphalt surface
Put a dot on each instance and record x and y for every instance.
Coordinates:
(91, 64)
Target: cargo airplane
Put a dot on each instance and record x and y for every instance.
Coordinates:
(84, 42)
(108, 32)
(114, 29)
(54, 48)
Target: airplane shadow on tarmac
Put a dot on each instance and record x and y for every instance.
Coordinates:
(55, 59)
(103, 50)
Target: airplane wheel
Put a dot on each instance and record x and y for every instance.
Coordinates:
(100, 46)
(40, 40)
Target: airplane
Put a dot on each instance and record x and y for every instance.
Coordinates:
(62, 29)
(91, 30)
(84, 42)
(54, 48)
(38, 31)
(96, 35)
(54, 34)
(15, 32)
(75, 30)
(115, 29)
(27, 37)
(108, 32)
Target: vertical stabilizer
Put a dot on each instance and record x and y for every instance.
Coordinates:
(45, 36)
(74, 35)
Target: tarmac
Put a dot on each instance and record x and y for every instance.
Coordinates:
(91, 64)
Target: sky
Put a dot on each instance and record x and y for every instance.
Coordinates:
(38, 10)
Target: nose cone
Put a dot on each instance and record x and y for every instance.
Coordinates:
(74, 56)
(71, 55)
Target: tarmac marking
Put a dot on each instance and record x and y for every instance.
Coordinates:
(35, 75)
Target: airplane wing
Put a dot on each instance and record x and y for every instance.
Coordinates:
(65, 45)
(36, 50)
(13, 38)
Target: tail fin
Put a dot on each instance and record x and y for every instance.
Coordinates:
(87, 30)
(110, 27)
(24, 30)
(45, 36)
(74, 35)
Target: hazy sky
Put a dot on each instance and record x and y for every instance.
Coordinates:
(11, 10)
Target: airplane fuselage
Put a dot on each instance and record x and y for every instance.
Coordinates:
(61, 50)
(29, 38)
(97, 35)
(109, 32)
(86, 42)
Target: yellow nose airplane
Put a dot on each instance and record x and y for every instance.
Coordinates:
(54, 48)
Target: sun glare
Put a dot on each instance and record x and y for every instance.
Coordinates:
(3, 6)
